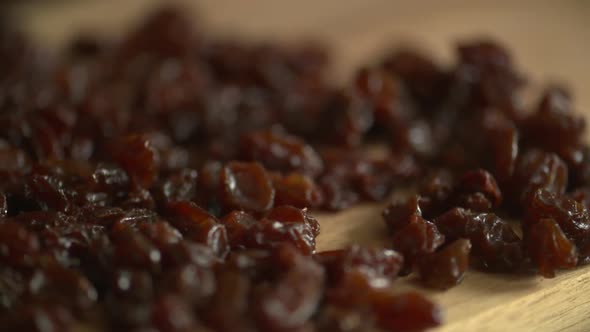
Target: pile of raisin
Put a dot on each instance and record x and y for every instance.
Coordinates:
(164, 182)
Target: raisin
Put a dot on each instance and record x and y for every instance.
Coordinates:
(132, 284)
(484, 53)
(538, 170)
(62, 285)
(131, 249)
(163, 182)
(436, 189)
(171, 314)
(111, 179)
(228, 309)
(246, 186)
(179, 186)
(555, 99)
(37, 318)
(18, 246)
(495, 245)
(278, 310)
(136, 155)
(386, 96)
(424, 78)
(351, 118)
(405, 312)
(477, 190)
(445, 268)
(192, 282)
(198, 225)
(379, 307)
(551, 120)
(503, 139)
(296, 189)
(269, 233)
(290, 214)
(418, 237)
(160, 233)
(373, 262)
(571, 216)
(280, 152)
(398, 213)
(549, 248)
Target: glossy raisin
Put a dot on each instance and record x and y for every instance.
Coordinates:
(549, 248)
(445, 268)
(246, 186)
(495, 245)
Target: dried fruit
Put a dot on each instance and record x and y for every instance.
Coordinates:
(445, 268)
(549, 248)
(246, 186)
(495, 245)
(163, 182)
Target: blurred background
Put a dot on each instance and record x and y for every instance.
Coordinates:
(549, 39)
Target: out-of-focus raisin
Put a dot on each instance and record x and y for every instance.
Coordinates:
(137, 157)
(280, 152)
(246, 186)
(535, 170)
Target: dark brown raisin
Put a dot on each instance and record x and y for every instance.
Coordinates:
(280, 152)
(373, 262)
(495, 245)
(198, 225)
(549, 248)
(136, 155)
(418, 237)
(535, 170)
(246, 186)
(445, 268)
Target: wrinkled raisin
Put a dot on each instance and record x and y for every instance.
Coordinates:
(445, 268)
(549, 248)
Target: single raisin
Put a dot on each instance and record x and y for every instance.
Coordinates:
(445, 268)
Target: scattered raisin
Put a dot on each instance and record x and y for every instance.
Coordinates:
(162, 182)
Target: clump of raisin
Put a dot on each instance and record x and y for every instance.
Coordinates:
(163, 182)
(380, 265)
(571, 216)
(495, 245)
(355, 304)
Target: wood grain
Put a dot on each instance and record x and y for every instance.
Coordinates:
(550, 43)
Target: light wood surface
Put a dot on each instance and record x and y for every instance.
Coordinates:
(551, 42)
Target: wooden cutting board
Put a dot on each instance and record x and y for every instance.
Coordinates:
(550, 40)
